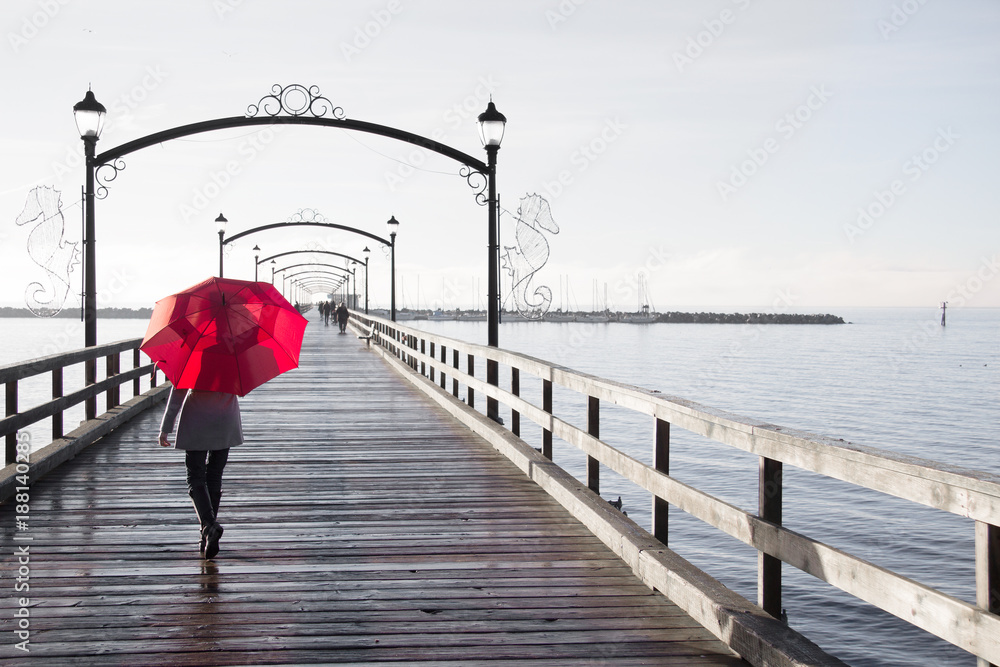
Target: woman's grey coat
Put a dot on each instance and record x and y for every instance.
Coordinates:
(206, 420)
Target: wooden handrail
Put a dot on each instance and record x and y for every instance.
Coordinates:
(26, 369)
(969, 493)
(11, 374)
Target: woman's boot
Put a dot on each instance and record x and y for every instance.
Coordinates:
(211, 531)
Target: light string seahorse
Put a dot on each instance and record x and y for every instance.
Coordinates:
(48, 248)
(530, 254)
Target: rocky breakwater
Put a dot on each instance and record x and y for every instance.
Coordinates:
(749, 318)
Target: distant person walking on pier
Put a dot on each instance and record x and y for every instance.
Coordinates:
(208, 424)
(342, 317)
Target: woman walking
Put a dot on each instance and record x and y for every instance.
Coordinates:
(215, 341)
(208, 424)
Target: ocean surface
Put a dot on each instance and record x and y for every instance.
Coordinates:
(892, 379)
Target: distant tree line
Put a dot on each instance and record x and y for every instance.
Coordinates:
(103, 313)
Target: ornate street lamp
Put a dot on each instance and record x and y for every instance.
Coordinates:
(392, 224)
(367, 253)
(220, 224)
(491, 125)
(256, 261)
(89, 115)
(491, 129)
(273, 267)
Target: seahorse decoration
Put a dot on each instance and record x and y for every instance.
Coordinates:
(530, 254)
(48, 248)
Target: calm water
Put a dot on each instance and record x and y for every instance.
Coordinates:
(892, 379)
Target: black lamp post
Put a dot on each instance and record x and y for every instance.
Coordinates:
(491, 128)
(256, 261)
(220, 224)
(367, 253)
(354, 292)
(89, 115)
(393, 225)
(273, 267)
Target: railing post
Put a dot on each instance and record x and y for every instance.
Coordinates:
(57, 392)
(423, 366)
(769, 509)
(470, 369)
(113, 395)
(454, 379)
(10, 448)
(136, 362)
(90, 377)
(987, 572)
(661, 461)
(594, 429)
(493, 378)
(547, 406)
(515, 388)
(444, 361)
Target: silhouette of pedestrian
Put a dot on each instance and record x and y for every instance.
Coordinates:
(342, 317)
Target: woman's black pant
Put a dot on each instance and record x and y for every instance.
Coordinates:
(204, 481)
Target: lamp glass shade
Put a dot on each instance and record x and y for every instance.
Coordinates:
(89, 115)
(392, 225)
(220, 223)
(367, 253)
(491, 126)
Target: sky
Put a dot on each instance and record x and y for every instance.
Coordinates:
(753, 155)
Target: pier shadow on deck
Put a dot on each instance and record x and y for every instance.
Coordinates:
(362, 525)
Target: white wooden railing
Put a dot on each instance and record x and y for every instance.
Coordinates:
(449, 365)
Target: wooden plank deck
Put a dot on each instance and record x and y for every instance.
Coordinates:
(362, 526)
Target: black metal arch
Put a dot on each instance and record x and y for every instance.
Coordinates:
(331, 286)
(321, 281)
(322, 252)
(307, 223)
(316, 272)
(243, 121)
(478, 174)
(331, 266)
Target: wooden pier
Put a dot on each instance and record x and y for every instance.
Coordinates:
(363, 525)
(376, 515)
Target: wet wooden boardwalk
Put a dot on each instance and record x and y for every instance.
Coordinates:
(362, 526)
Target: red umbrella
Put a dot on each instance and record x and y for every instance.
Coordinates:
(224, 335)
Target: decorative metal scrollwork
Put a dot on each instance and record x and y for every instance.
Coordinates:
(102, 181)
(295, 100)
(472, 177)
(307, 215)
